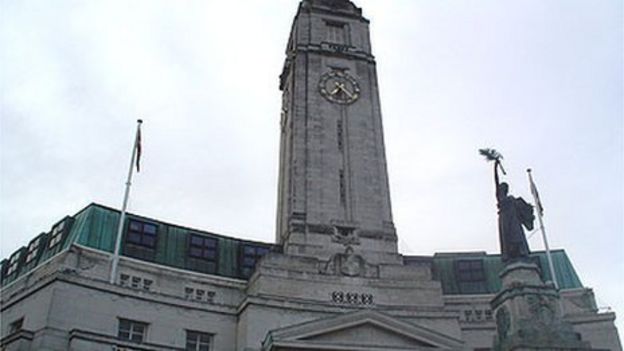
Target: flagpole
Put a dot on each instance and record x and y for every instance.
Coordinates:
(542, 229)
(115, 262)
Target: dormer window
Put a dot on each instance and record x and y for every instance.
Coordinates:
(470, 271)
(471, 276)
(57, 234)
(142, 234)
(13, 263)
(33, 248)
(250, 256)
(203, 247)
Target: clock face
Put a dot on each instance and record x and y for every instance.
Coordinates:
(339, 87)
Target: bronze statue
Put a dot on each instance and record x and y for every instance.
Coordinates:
(513, 214)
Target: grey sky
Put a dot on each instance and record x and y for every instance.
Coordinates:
(542, 81)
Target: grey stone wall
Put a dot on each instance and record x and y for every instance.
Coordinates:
(310, 195)
(69, 304)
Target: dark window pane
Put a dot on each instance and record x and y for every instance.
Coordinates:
(139, 328)
(210, 254)
(203, 247)
(197, 341)
(196, 252)
(470, 271)
(143, 234)
(262, 251)
(249, 261)
(210, 242)
(134, 237)
(248, 250)
(131, 330)
(136, 226)
(196, 240)
(149, 241)
(149, 229)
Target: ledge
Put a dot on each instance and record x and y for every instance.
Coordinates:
(86, 335)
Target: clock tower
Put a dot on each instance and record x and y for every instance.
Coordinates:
(333, 185)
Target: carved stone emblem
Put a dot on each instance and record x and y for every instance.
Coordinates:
(346, 236)
(351, 265)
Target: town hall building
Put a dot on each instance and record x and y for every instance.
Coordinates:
(332, 280)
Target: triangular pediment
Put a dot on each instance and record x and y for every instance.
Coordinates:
(361, 331)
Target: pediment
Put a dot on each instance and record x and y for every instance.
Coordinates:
(361, 331)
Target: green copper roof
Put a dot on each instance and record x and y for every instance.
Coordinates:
(96, 226)
(446, 270)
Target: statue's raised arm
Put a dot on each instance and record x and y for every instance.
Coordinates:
(513, 214)
(496, 178)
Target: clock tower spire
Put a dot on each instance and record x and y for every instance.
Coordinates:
(333, 184)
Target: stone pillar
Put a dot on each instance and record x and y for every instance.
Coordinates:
(528, 314)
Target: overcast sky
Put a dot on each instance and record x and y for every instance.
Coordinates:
(540, 80)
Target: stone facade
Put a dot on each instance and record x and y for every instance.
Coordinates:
(333, 178)
(289, 303)
(336, 281)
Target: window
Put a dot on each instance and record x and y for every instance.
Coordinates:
(250, 256)
(16, 326)
(337, 33)
(203, 247)
(470, 271)
(471, 276)
(57, 234)
(142, 234)
(33, 249)
(13, 263)
(198, 341)
(132, 330)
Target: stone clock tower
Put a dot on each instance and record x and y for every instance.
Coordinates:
(333, 185)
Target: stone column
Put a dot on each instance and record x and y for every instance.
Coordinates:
(528, 314)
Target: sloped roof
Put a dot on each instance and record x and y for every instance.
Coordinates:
(95, 226)
(444, 269)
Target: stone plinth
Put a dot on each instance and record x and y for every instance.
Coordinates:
(528, 314)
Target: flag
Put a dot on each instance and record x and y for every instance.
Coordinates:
(138, 148)
(538, 202)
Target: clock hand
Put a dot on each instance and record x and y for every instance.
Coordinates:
(342, 87)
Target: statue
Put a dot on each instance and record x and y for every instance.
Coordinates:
(513, 214)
